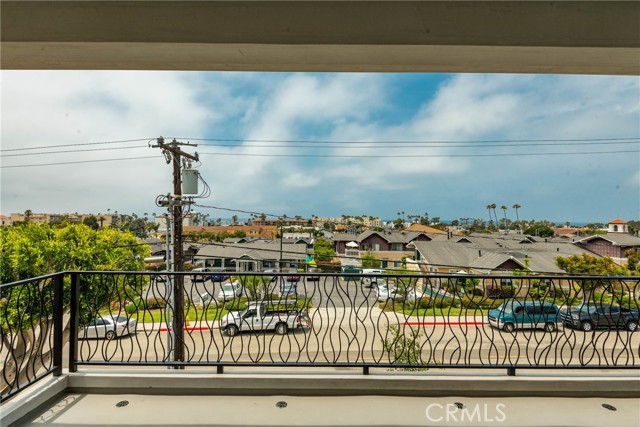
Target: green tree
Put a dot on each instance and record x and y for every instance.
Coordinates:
(323, 250)
(592, 266)
(32, 250)
(370, 261)
(633, 260)
(92, 222)
(539, 229)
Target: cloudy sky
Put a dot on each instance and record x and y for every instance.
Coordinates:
(565, 148)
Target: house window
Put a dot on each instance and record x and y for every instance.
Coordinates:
(397, 246)
(506, 282)
(376, 247)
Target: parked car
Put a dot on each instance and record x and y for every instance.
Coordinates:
(218, 276)
(372, 280)
(515, 314)
(270, 272)
(260, 317)
(162, 276)
(429, 292)
(591, 316)
(293, 276)
(387, 291)
(109, 327)
(229, 291)
(288, 288)
(200, 274)
(313, 278)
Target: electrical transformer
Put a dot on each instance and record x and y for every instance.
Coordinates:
(189, 182)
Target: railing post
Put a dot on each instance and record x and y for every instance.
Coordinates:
(74, 321)
(511, 372)
(58, 320)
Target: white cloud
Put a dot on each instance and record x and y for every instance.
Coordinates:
(46, 108)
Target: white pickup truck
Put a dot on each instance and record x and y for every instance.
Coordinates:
(260, 317)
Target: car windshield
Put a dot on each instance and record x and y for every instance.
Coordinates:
(228, 288)
(121, 319)
(509, 307)
(587, 308)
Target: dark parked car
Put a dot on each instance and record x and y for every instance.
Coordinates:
(590, 316)
(218, 276)
(293, 276)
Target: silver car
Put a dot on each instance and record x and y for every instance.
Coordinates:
(109, 327)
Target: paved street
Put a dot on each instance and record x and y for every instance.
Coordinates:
(357, 335)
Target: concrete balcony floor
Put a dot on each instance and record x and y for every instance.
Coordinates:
(108, 397)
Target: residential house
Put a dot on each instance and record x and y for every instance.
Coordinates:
(424, 229)
(254, 256)
(613, 244)
(492, 254)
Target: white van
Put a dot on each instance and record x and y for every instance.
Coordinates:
(371, 282)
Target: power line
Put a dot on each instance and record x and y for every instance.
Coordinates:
(72, 151)
(478, 141)
(46, 147)
(387, 156)
(239, 211)
(77, 162)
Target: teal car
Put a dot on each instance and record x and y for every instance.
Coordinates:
(515, 314)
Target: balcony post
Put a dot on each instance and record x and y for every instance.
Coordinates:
(74, 321)
(58, 320)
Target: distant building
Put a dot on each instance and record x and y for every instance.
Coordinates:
(618, 226)
(269, 232)
(367, 221)
(4, 220)
(104, 220)
(612, 244)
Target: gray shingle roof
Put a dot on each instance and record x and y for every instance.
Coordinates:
(486, 253)
(257, 251)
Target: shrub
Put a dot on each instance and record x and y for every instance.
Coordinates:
(236, 304)
(154, 303)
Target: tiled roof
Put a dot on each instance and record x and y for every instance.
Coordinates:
(618, 221)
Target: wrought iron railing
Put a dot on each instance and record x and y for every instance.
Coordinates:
(394, 321)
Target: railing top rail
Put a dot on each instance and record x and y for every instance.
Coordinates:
(336, 274)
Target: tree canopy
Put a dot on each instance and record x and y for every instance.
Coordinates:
(586, 264)
(31, 250)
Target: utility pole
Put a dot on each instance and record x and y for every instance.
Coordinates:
(174, 154)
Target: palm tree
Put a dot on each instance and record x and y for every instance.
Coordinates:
(493, 206)
(489, 209)
(516, 207)
(504, 209)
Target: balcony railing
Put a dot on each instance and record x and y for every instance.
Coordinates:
(392, 322)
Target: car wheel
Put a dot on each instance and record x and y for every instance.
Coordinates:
(508, 327)
(281, 328)
(550, 327)
(632, 325)
(586, 326)
(110, 335)
(232, 330)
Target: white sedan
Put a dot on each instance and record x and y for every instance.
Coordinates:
(109, 327)
(229, 291)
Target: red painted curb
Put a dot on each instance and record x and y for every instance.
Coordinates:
(199, 328)
(443, 323)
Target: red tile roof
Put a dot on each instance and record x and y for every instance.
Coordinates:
(618, 221)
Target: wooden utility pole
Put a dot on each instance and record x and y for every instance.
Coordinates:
(172, 150)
